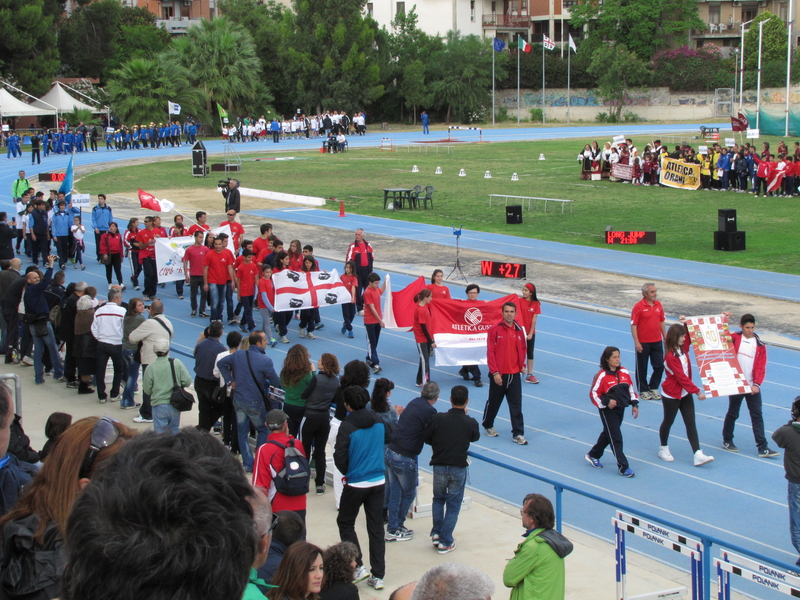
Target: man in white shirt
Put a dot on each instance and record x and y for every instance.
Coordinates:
(107, 330)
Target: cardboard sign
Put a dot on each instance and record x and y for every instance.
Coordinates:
(619, 139)
(717, 363)
(730, 142)
(702, 149)
(753, 134)
(109, 130)
(6, 127)
(81, 200)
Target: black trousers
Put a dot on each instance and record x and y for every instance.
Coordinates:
(611, 436)
(195, 282)
(314, 430)
(470, 372)
(40, 245)
(653, 353)
(209, 411)
(114, 262)
(11, 317)
(511, 390)
(70, 364)
(102, 354)
(295, 414)
(363, 274)
(62, 249)
(146, 409)
(36, 158)
(150, 276)
(686, 407)
(372, 500)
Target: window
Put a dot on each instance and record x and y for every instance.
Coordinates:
(169, 12)
(749, 12)
(369, 9)
(401, 8)
(713, 13)
(472, 10)
(494, 7)
(541, 28)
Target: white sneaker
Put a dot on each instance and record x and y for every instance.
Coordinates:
(302, 332)
(310, 336)
(27, 361)
(664, 454)
(360, 574)
(701, 459)
(375, 582)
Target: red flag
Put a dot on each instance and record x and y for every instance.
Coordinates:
(150, 202)
(740, 123)
(401, 314)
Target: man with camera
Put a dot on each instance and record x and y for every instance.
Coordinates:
(230, 191)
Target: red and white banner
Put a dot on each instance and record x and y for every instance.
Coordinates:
(296, 290)
(398, 307)
(459, 329)
(720, 372)
(775, 179)
(740, 123)
(548, 43)
(150, 202)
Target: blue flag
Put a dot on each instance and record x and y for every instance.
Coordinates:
(66, 185)
(499, 45)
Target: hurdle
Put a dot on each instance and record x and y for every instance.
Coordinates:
(658, 534)
(478, 129)
(386, 144)
(759, 573)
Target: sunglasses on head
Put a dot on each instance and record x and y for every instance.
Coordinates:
(104, 434)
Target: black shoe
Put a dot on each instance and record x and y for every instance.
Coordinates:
(204, 315)
(194, 313)
(478, 383)
(319, 326)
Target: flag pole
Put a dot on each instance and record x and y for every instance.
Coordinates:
(493, 53)
(543, 119)
(518, 53)
(569, 73)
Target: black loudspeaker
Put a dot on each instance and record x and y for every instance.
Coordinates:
(727, 219)
(513, 214)
(729, 241)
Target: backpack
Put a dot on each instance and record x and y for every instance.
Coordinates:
(295, 477)
(55, 316)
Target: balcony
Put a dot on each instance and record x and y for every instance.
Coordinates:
(719, 30)
(499, 21)
(177, 25)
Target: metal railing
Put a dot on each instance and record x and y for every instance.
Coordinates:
(17, 391)
(706, 539)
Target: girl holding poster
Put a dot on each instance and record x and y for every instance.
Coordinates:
(423, 337)
(677, 391)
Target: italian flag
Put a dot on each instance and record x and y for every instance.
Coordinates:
(523, 45)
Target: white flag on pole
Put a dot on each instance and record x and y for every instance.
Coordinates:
(572, 45)
(548, 43)
(174, 108)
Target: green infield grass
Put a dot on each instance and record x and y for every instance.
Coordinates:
(684, 221)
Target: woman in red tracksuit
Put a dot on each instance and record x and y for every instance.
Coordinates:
(111, 251)
(677, 391)
(762, 174)
(422, 335)
(611, 391)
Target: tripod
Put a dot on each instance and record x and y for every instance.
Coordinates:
(457, 266)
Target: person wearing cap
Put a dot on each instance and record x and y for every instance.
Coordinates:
(270, 460)
(156, 328)
(62, 220)
(158, 384)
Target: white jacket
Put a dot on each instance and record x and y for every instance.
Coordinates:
(150, 331)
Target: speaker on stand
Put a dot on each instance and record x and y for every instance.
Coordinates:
(513, 214)
(728, 238)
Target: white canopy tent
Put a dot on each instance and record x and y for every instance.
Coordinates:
(63, 101)
(11, 107)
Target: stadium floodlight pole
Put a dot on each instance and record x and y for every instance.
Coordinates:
(758, 91)
(788, 64)
(741, 68)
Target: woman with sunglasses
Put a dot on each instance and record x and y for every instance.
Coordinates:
(33, 532)
(300, 574)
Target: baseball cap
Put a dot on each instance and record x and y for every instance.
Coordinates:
(161, 345)
(276, 417)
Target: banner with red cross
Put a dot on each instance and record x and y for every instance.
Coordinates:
(296, 290)
(720, 372)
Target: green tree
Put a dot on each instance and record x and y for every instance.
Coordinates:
(462, 76)
(140, 89)
(618, 71)
(81, 115)
(28, 52)
(774, 41)
(220, 57)
(329, 55)
(643, 26)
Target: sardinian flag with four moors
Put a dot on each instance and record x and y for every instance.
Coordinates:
(296, 290)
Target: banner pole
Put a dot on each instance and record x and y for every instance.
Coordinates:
(518, 107)
(493, 53)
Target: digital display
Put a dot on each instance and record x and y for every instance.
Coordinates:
(501, 269)
(630, 237)
(52, 176)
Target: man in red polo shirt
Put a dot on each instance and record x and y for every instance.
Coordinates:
(146, 242)
(262, 241)
(505, 353)
(648, 328)
(360, 252)
(237, 231)
(218, 275)
(193, 267)
(201, 225)
(270, 461)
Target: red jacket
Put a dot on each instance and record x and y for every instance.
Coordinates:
(269, 462)
(677, 381)
(496, 348)
(760, 362)
(110, 244)
(763, 168)
(605, 380)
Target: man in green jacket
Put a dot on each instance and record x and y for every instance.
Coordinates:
(20, 186)
(537, 570)
(158, 384)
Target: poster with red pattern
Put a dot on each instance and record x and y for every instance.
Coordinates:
(720, 372)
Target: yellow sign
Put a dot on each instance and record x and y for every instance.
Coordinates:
(680, 174)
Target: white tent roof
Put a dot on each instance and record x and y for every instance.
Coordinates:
(11, 107)
(64, 102)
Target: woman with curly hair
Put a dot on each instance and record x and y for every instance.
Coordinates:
(295, 377)
(340, 564)
(300, 574)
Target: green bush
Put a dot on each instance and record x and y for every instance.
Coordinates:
(601, 117)
(501, 115)
(537, 115)
(631, 117)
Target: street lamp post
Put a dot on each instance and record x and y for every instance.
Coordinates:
(788, 63)
(758, 89)
(741, 68)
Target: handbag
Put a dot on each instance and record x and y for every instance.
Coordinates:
(105, 259)
(220, 394)
(40, 327)
(180, 399)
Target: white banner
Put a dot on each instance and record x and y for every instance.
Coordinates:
(81, 200)
(226, 229)
(169, 257)
(454, 350)
(295, 290)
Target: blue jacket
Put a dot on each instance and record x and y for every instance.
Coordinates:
(35, 301)
(101, 217)
(359, 447)
(724, 162)
(409, 434)
(234, 368)
(63, 220)
(205, 355)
